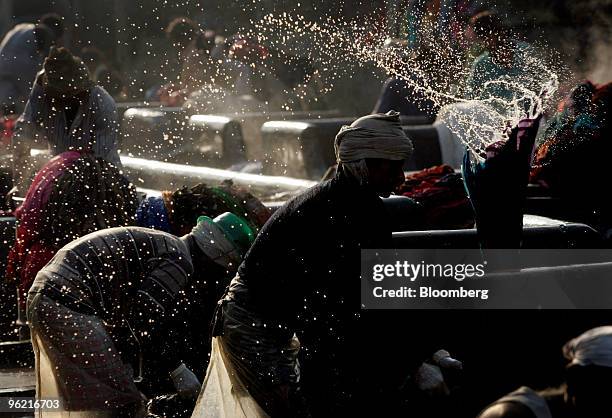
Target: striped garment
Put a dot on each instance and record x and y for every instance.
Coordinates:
(95, 126)
(88, 371)
(118, 273)
(19, 63)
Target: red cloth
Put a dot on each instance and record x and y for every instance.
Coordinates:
(29, 255)
(7, 124)
(441, 193)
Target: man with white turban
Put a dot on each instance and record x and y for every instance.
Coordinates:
(586, 393)
(290, 336)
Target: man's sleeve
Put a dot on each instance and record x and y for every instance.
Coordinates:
(106, 127)
(27, 132)
(155, 303)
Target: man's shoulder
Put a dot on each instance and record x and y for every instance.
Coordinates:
(19, 30)
(310, 198)
(103, 98)
(300, 211)
(507, 410)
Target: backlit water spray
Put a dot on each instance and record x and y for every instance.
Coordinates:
(436, 70)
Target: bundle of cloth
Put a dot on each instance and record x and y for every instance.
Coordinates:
(174, 212)
(571, 158)
(442, 195)
(72, 195)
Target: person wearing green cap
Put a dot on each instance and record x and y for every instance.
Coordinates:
(108, 296)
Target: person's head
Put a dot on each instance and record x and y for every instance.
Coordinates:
(65, 75)
(55, 22)
(489, 30)
(44, 38)
(186, 204)
(111, 81)
(92, 57)
(589, 372)
(372, 151)
(248, 51)
(182, 31)
(224, 240)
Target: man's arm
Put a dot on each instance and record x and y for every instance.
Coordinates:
(507, 410)
(26, 135)
(497, 187)
(106, 128)
(153, 318)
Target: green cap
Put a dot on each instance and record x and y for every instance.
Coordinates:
(235, 228)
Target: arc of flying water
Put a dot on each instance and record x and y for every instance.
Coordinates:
(336, 40)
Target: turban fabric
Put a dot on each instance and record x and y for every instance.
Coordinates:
(594, 347)
(213, 242)
(374, 136)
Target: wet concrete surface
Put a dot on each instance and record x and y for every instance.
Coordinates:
(17, 382)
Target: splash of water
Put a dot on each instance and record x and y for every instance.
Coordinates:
(437, 72)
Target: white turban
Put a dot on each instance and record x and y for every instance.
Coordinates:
(373, 136)
(594, 347)
(212, 241)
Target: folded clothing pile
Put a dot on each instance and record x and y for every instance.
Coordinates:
(442, 195)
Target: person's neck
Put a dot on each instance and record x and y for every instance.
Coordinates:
(351, 183)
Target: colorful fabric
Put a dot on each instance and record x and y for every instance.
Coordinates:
(213, 242)
(441, 193)
(93, 191)
(581, 127)
(152, 213)
(29, 255)
(490, 81)
(71, 186)
(187, 204)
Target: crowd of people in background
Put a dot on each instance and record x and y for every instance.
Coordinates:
(245, 312)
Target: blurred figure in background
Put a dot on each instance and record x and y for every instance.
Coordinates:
(66, 111)
(502, 61)
(572, 156)
(102, 73)
(71, 186)
(195, 66)
(415, 71)
(22, 52)
(173, 211)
